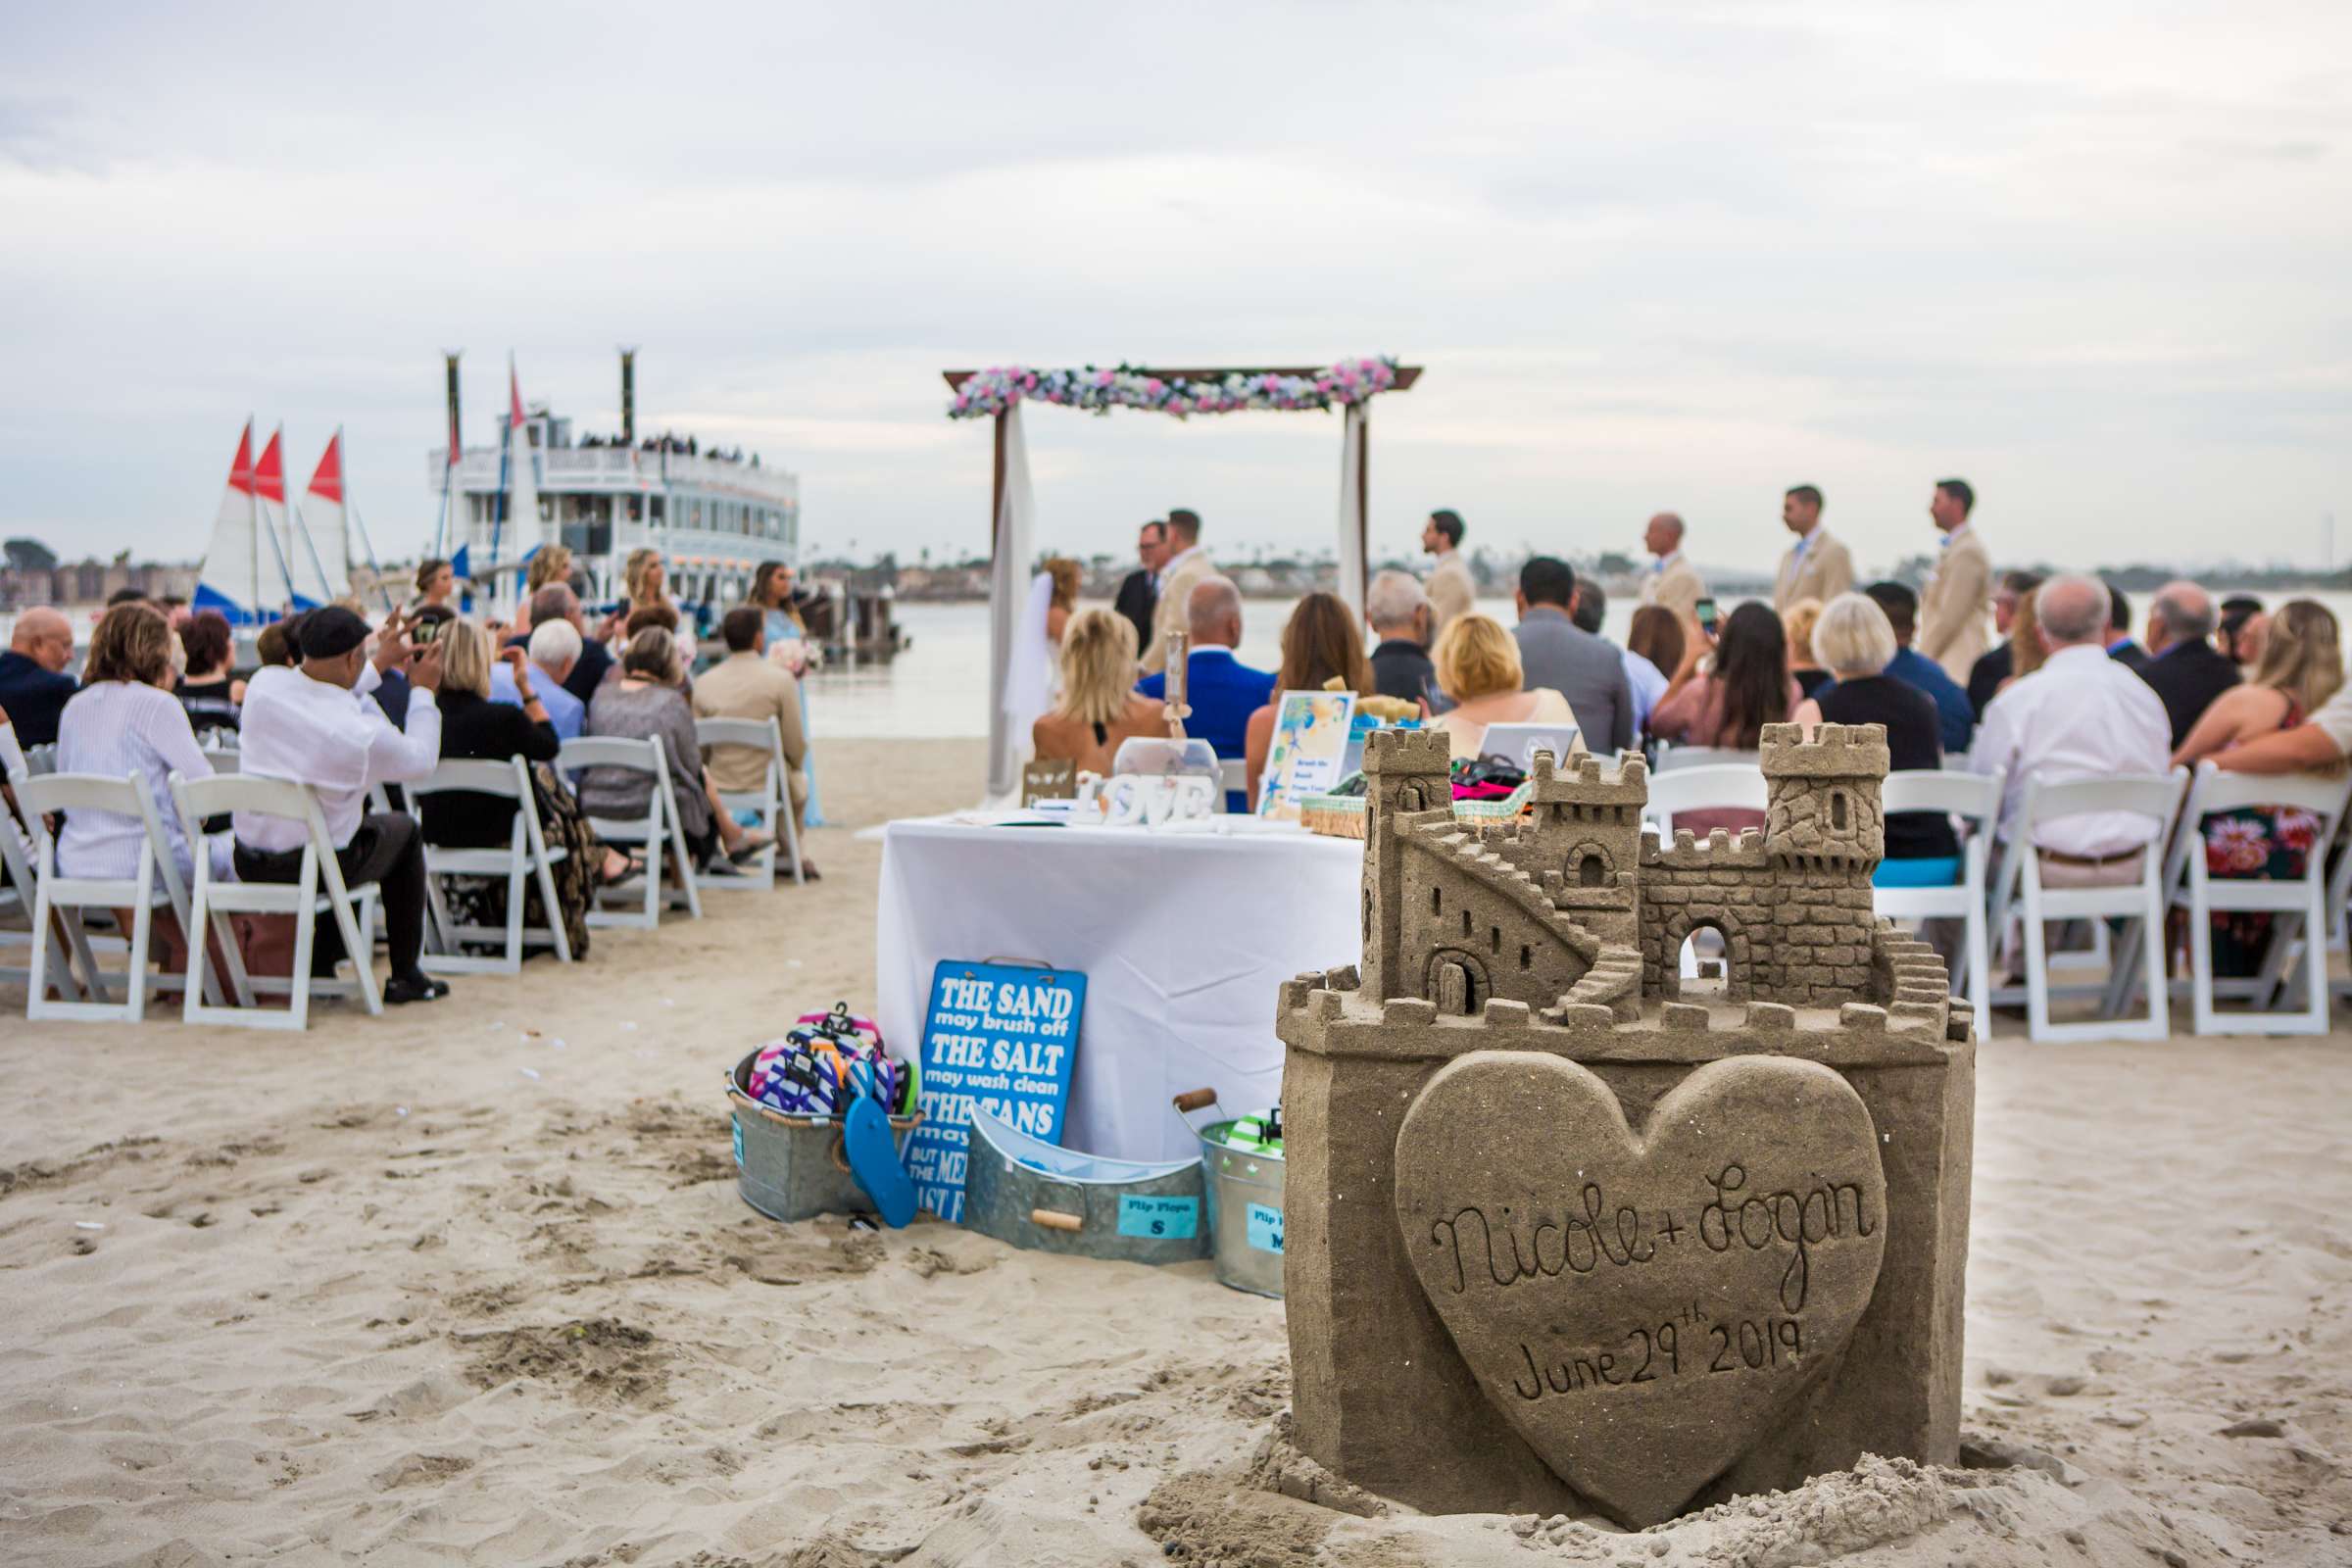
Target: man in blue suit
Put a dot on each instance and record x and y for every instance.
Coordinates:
(1222, 691)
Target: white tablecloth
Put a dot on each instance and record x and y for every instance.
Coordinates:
(1183, 939)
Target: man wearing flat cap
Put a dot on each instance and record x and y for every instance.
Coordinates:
(313, 724)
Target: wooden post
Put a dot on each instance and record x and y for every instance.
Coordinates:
(1363, 503)
(996, 492)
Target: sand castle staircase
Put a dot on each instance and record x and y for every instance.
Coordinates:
(1613, 974)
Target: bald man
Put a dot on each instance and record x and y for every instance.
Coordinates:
(33, 685)
(2184, 670)
(2081, 716)
(1672, 581)
(1222, 691)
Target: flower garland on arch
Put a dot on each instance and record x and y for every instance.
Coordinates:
(990, 392)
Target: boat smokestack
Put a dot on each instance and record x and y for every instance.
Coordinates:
(628, 397)
(449, 378)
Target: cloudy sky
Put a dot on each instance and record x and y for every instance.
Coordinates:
(2094, 256)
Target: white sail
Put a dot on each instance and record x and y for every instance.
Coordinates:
(321, 521)
(230, 578)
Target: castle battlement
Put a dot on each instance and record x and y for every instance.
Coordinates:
(1837, 751)
(1523, 912)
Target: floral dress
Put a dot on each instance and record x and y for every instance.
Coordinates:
(2254, 843)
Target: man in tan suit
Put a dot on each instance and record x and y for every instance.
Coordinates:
(745, 685)
(1673, 583)
(1451, 592)
(1187, 564)
(1951, 610)
(1816, 566)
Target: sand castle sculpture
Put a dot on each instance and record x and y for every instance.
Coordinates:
(1557, 1232)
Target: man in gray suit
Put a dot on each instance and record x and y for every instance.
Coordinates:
(1556, 652)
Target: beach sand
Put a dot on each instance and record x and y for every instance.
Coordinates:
(472, 1283)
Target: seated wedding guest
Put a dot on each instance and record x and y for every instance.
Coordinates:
(1746, 686)
(1654, 651)
(124, 721)
(1479, 667)
(1797, 624)
(1398, 608)
(1319, 643)
(2302, 668)
(557, 601)
(2239, 635)
(2027, 650)
(207, 691)
(1557, 654)
(1067, 577)
(474, 727)
(645, 702)
(436, 583)
(315, 725)
(2184, 670)
(1098, 707)
(1222, 691)
(747, 684)
(1985, 676)
(2083, 714)
(273, 644)
(421, 629)
(1855, 640)
(35, 687)
(554, 648)
(1956, 720)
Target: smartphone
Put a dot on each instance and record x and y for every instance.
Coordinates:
(425, 631)
(1705, 611)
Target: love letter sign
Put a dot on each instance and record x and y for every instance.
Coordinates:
(1643, 1308)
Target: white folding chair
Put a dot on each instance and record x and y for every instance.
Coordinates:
(772, 801)
(1725, 786)
(526, 855)
(20, 853)
(318, 885)
(1674, 758)
(1976, 801)
(39, 760)
(2020, 894)
(658, 826)
(2296, 905)
(59, 901)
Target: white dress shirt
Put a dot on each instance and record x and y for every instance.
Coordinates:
(2079, 715)
(335, 741)
(2334, 716)
(118, 729)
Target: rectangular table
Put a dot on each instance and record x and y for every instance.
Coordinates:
(1184, 938)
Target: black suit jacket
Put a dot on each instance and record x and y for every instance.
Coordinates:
(1138, 601)
(1400, 667)
(2189, 676)
(2130, 655)
(33, 697)
(1985, 676)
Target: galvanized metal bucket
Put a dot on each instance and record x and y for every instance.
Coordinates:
(1245, 1204)
(794, 1168)
(1053, 1200)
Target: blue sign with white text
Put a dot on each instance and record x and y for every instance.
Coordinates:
(999, 1035)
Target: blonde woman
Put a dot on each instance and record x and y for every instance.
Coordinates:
(473, 727)
(2302, 666)
(2025, 652)
(1098, 707)
(1478, 666)
(1799, 620)
(553, 564)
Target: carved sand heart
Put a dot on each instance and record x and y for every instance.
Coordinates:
(1642, 1310)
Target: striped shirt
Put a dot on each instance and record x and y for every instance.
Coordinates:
(118, 729)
